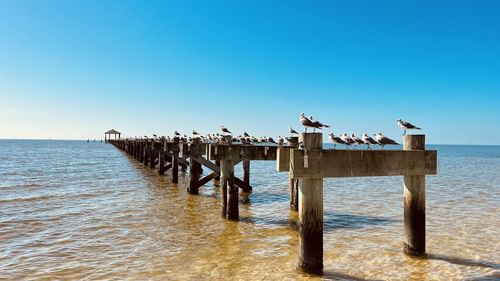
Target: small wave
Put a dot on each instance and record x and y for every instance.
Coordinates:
(27, 199)
(29, 185)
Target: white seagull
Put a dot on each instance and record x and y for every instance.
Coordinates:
(347, 140)
(307, 122)
(368, 140)
(357, 141)
(225, 131)
(406, 126)
(335, 140)
(383, 140)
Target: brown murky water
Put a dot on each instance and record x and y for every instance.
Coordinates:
(71, 210)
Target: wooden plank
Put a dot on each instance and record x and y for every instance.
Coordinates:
(241, 184)
(207, 164)
(206, 179)
(362, 163)
(237, 152)
(283, 160)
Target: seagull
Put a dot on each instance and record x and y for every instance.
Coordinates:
(368, 140)
(406, 126)
(292, 131)
(271, 140)
(357, 141)
(225, 131)
(383, 140)
(347, 140)
(335, 140)
(281, 141)
(195, 133)
(176, 134)
(301, 146)
(307, 122)
(245, 134)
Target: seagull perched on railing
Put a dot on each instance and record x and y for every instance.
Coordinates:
(281, 141)
(383, 140)
(177, 134)
(357, 141)
(335, 140)
(406, 126)
(292, 131)
(194, 133)
(225, 131)
(347, 140)
(307, 122)
(271, 140)
(368, 140)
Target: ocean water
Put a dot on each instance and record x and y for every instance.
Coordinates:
(75, 210)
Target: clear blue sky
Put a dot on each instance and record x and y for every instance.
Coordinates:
(74, 69)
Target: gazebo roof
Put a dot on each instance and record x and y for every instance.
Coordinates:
(112, 131)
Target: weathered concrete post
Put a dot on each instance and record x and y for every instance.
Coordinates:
(414, 203)
(194, 167)
(311, 212)
(175, 162)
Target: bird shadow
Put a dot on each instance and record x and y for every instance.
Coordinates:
(332, 221)
(335, 221)
(333, 275)
(463, 261)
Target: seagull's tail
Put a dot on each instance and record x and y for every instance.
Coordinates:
(326, 126)
(418, 128)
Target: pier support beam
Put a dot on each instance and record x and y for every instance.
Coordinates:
(246, 172)
(414, 203)
(152, 157)
(229, 191)
(311, 213)
(217, 178)
(161, 163)
(194, 167)
(175, 163)
(294, 194)
(146, 155)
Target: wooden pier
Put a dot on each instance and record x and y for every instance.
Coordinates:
(307, 167)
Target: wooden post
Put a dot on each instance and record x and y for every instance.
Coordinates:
(311, 213)
(229, 201)
(294, 194)
(217, 178)
(233, 200)
(246, 172)
(194, 167)
(146, 153)
(175, 163)
(140, 152)
(414, 203)
(152, 155)
(161, 162)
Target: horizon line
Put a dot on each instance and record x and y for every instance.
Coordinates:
(98, 140)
